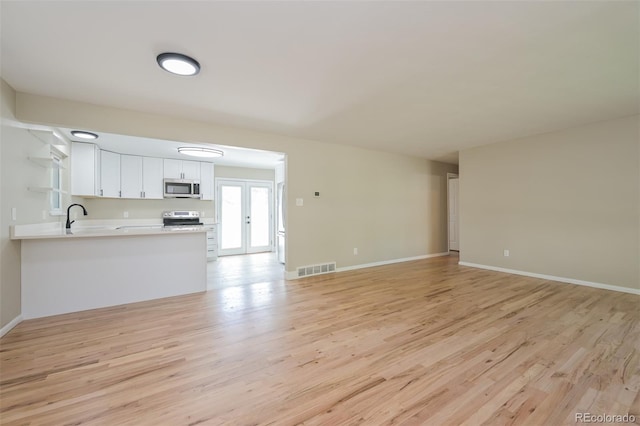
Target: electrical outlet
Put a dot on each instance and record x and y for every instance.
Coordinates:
(14, 213)
(202, 213)
(299, 202)
(355, 250)
(506, 253)
(125, 214)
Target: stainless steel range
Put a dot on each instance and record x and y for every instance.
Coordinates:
(188, 218)
(181, 218)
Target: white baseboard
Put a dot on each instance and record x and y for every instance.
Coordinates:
(293, 275)
(7, 328)
(389, 262)
(554, 278)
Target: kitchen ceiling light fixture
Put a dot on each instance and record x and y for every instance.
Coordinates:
(84, 135)
(177, 63)
(200, 152)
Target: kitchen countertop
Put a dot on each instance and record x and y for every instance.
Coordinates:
(56, 230)
(106, 263)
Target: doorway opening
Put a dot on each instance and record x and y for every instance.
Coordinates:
(453, 212)
(245, 214)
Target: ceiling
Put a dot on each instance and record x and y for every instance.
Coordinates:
(419, 78)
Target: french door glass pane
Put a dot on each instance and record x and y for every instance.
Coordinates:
(231, 217)
(259, 216)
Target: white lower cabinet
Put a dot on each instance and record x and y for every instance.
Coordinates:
(212, 243)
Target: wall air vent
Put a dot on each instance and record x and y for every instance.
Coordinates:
(324, 268)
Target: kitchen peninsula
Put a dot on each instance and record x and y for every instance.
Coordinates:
(96, 267)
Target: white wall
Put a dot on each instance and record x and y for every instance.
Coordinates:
(566, 204)
(17, 173)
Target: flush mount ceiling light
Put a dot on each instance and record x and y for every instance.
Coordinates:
(177, 63)
(84, 135)
(200, 152)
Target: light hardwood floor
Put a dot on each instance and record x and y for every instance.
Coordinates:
(230, 271)
(418, 343)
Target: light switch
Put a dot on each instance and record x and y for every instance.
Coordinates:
(299, 202)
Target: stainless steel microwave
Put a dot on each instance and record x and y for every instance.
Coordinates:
(181, 188)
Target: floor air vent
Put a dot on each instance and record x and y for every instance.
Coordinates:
(325, 268)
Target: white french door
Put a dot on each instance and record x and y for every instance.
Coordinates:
(245, 213)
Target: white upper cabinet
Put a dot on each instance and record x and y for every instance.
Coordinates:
(206, 181)
(180, 169)
(98, 173)
(152, 174)
(172, 169)
(131, 176)
(141, 177)
(85, 169)
(109, 174)
(191, 170)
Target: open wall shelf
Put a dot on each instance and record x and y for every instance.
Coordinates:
(44, 189)
(44, 162)
(48, 137)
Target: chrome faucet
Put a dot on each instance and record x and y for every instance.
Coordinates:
(69, 208)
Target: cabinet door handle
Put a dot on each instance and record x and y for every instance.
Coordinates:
(144, 194)
(120, 194)
(141, 194)
(101, 192)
